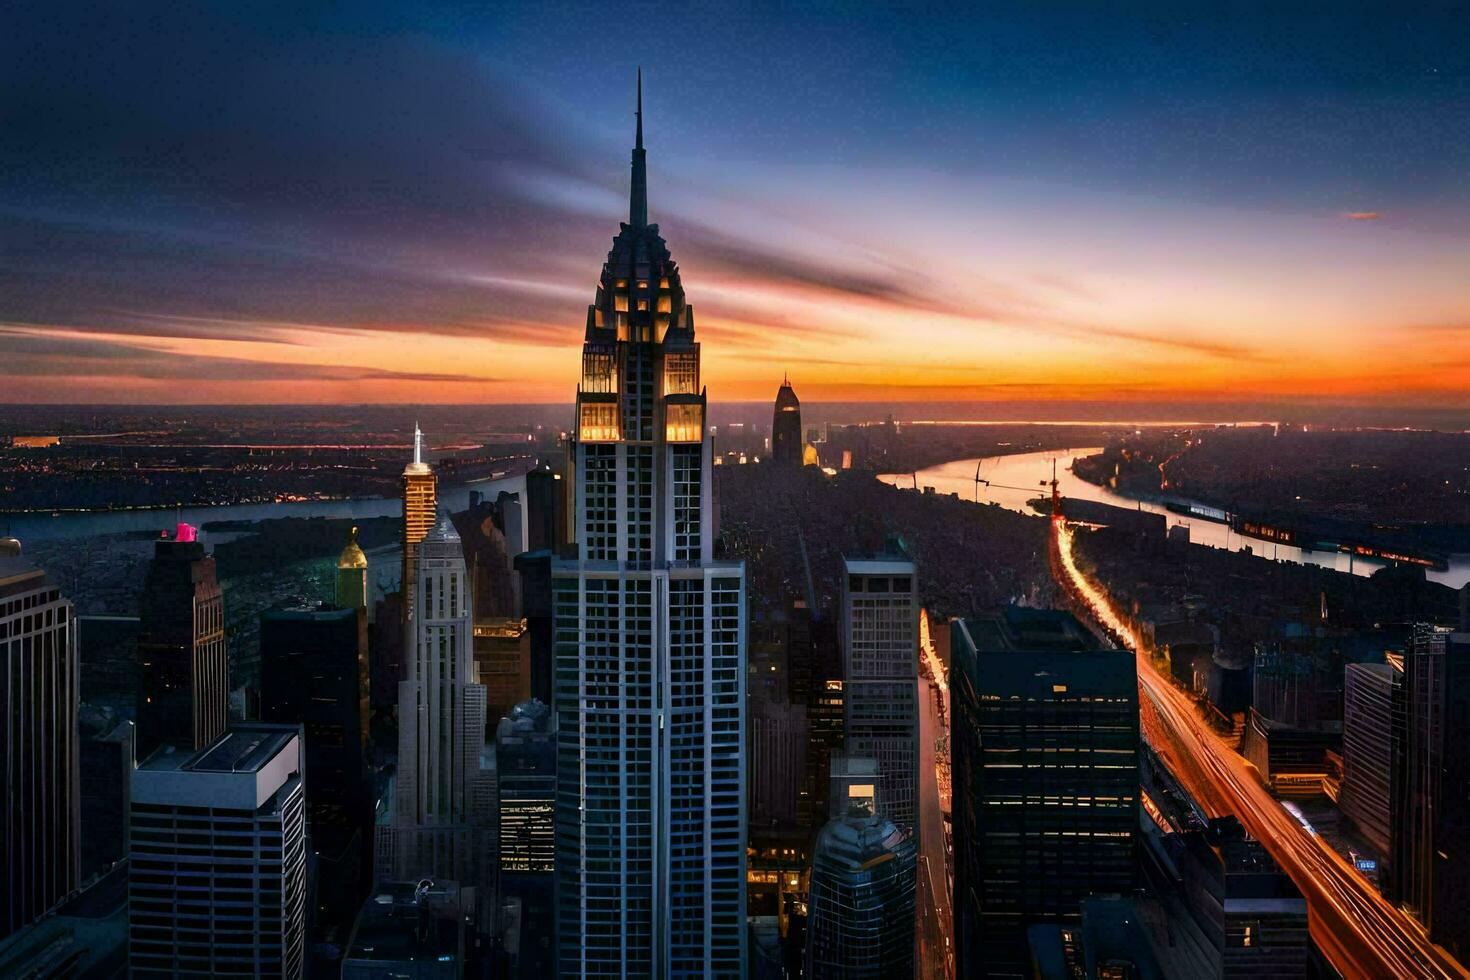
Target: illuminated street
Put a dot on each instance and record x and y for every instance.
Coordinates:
(936, 918)
(1360, 933)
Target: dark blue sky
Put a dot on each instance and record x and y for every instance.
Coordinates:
(1033, 183)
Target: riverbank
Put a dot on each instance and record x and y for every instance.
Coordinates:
(1011, 481)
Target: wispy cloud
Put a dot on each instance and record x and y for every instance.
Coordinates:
(1362, 215)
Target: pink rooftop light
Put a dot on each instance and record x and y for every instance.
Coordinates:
(186, 532)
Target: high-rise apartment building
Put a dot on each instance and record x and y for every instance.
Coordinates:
(183, 672)
(786, 427)
(314, 673)
(1429, 865)
(441, 726)
(1367, 750)
(1045, 779)
(649, 640)
(880, 653)
(420, 488)
(352, 581)
(40, 794)
(217, 858)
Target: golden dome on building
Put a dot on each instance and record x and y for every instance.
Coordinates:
(352, 555)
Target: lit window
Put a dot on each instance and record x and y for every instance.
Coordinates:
(684, 423)
(599, 422)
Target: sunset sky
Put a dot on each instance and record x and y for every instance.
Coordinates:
(349, 203)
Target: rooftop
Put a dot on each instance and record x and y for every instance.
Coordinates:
(1023, 629)
(406, 922)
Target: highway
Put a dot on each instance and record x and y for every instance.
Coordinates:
(1360, 933)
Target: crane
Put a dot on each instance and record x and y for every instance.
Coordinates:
(1003, 486)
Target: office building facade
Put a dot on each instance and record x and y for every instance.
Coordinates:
(860, 907)
(1429, 869)
(39, 764)
(1045, 779)
(880, 630)
(649, 635)
(183, 671)
(1367, 750)
(525, 772)
(217, 857)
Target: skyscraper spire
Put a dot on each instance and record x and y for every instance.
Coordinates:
(418, 445)
(638, 205)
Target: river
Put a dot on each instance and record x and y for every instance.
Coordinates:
(44, 527)
(1024, 470)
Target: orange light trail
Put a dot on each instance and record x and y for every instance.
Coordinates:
(1359, 931)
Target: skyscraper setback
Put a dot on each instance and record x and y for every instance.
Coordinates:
(183, 673)
(649, 635)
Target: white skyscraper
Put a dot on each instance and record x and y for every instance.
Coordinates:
(649, 646)
(880, 650)
(217, 858)
(435, 830)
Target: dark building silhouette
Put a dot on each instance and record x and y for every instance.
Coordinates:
(385, 648)
(314, 673)
(1045, 779)
(786, 427)
(183, 673)
(40, 805)
(1248, 909)
(1429, 869)
(422, 929)
(106, 753)
(525, 763)
(816, 677)
(544, 525)
(534, 568)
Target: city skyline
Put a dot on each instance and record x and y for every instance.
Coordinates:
(1157, 207)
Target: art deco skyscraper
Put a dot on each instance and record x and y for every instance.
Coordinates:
(786, 427)
(40, 795)
(441, 725)
(649, 636)
(419, 491)
(183, 674)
